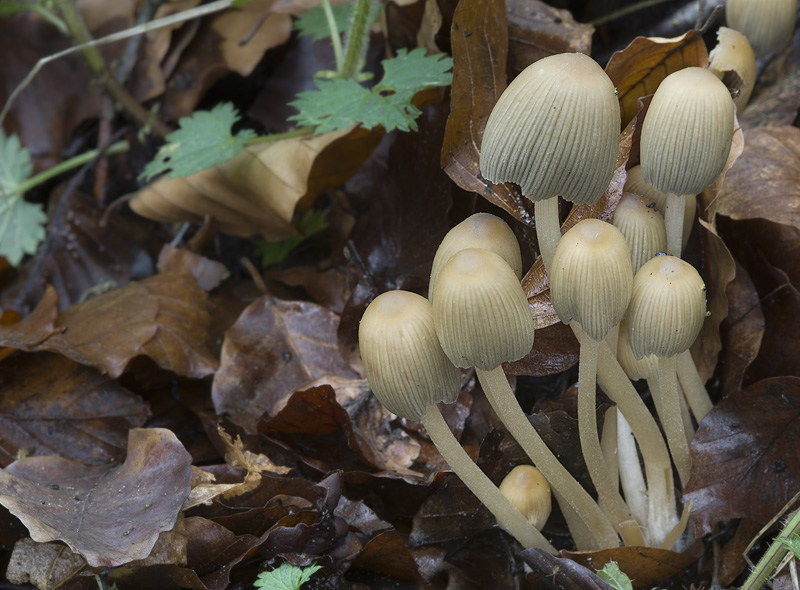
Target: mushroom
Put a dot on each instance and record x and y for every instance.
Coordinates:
(643, 228)
(686, 137)
(555, 132)
(409, 374)
(527, 489)
(482, 319)
(767, 24)
(733, 53)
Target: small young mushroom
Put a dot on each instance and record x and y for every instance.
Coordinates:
(527, 489)
(409, 374)
(734, 54)
(686, 137)
(642, 226)
(767, 24)
(555, 132)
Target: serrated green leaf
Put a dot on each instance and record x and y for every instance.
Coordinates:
(793, 543)
(15, 163)
(612, 574)
(201, 141)
(286, 577)
(310, 223)
(238, 3)
(313, 22)
(408, 73)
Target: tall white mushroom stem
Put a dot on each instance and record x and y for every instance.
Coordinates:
(671, 418)
(693, 388)
(548, 229)
(673, 219)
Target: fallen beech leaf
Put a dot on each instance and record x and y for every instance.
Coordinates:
(275, 348)
(53, 406)
(764, 180)
(259, 189)
(555, 349)
(388, 553)
(744, 459)
(479, 38)
(45, 565)
(109, 515)
(536, 30)
(211, 545)
(208, 273)
(164, 317)
(638, 69)
(560, 572)
(645, 566)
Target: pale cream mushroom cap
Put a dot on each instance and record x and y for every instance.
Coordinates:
(687, 132)
(642, 226)
(555, 130)
(591, 278)
(482, 230)
(643, 368)
(767, 24)
(635, 184)
(733, 53)
(404, 362)
(667, 309)
(481, 312)
(527, 489)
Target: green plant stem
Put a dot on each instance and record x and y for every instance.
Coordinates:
(773, 556)
(335, 39)
(79, 160)
(357, 37)
(79, 31)
(296, 132)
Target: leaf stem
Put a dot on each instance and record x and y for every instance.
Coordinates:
(357, 37)
(773, 556)
(335, 40)
(296, 132)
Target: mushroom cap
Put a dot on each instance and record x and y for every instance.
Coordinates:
(480, 311)
(555, 130)
(634, 368)
(687, 132)
(528, 491)
(635, 184)
(667, 309)
(733, 53)
(403, 359)
(767, 24)
(642, 226)
(484, 231)
(591, 277)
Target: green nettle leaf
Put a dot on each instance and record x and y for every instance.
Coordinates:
(21, 223)
(337, 104)
(286, 577)
(313, 22)
(201, 141)
(310, 223)
(612, 574)
(793, 543)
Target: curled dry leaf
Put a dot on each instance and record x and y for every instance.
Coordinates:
(259, 189)
(638, 69)
(744, 455)
(45, 565)
(109, 515)
(164, 317)
(53, 406)
(645, 566)
(208, 273)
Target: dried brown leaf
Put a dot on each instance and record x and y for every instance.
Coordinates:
(109, 515)
(45, 565)
(645, 566)
(208, 273)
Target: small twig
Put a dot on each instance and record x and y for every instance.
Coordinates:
(255, 275)
(296, 132)
(129, 56)
(601, 20)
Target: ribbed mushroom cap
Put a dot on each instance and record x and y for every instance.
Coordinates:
(555, 130)
(591, 278)
(634, 368)
(667, 308)
(480, 311)
(403, 359)
(527, 489)
(767, 24)
(733, 53)
(687, 132)
(643, 228)
(636, 184)
(484, 231)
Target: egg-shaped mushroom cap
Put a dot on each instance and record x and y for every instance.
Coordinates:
(643, 368)
(734, 54)
(667, 309)
(591, 277)
(404, 362)
(642, 226)
(484, 231)
(767, 24)
(687, 132)
(555, 130)
(528, 490)
(481, 312)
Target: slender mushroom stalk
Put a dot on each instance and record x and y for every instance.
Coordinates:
(409, 374)
(665, 315)
(527, 489)
(686, 137)
(767, 24)
(555, 132)
(482, 319)
(733, 53)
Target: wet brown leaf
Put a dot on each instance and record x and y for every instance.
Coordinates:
(164, 317)
(387, 553)
(562, 573)
(211, 545)
(638, 69)
(208, 273)
(744, 459)
(53, 406)
(645, 566)
(555, 349)
(45, 565)
(109, 515)
(275, 348)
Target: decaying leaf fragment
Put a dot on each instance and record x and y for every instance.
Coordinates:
(45, 565)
